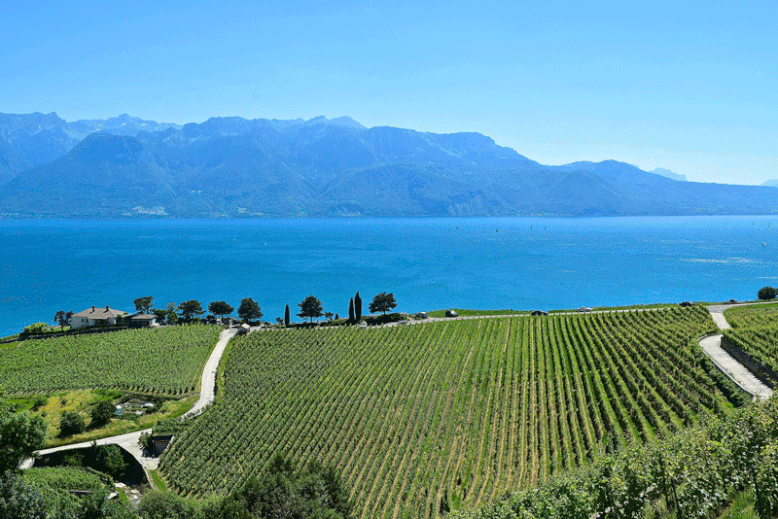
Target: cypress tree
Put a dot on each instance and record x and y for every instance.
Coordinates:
(357, 307)
(287, 316)
(351, 310)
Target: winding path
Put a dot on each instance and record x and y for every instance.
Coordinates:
(711, 345)
(129, 441)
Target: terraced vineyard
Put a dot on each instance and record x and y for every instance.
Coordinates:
(755, 332)
(421, 419)
(165, 361)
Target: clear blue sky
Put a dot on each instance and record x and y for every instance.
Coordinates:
(689, 86)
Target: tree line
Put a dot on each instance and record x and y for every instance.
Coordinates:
(249, 310)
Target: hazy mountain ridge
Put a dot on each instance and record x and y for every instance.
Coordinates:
(236, 167)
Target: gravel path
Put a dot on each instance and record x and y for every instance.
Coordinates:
(129, 441)
(711, 345)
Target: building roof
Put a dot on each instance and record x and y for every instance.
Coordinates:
(99, 313)
(143, 317)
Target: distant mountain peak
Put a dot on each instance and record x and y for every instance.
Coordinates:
(336, 121)
(669, 174)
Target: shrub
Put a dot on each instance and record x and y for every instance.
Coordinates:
(71, 423)
(102, 412)
(39, 401)
(39, 328)
(766, 293)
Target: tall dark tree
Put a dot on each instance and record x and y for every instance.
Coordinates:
(382, 302)
(766, 293)
(220, 308)
(351, 315)
(357, 307)
(189, 309)
(63, 318)
(310, 308)
(249, 310)
(143, 304)
(287, 316)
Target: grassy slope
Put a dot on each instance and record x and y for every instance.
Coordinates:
(453, 412)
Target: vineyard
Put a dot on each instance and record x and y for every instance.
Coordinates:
(752, 315)
(428, 418)
(164, 361)
(755, 332)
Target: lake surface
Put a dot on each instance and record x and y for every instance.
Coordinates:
(429, 263)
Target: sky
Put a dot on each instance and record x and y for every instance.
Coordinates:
(687, 86)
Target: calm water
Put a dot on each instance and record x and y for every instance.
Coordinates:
(487, 263)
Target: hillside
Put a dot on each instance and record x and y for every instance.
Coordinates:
(234, 167)
(450, 414)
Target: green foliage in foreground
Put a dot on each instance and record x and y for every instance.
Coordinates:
(158, 360)
(693, 473)
(20, 436)
(281, 492)
(448, 415)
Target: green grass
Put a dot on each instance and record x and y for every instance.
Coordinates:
(742, 507)
(10, 345)
(65, 478)
(461, 410)
(158, 481)
(165, 361)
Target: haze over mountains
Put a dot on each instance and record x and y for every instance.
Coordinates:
(233, 167)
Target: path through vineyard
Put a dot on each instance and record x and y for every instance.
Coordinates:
(711, 345)
(129, 441)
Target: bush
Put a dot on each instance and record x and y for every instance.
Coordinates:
(766, 293)
(109, 459)
(71, 423)
(39, 328)
(39, 401)
(102, 412)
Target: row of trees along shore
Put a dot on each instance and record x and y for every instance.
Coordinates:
(249, 310)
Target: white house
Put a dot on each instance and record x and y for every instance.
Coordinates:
(95, 317)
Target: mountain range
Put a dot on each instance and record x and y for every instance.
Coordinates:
(234, 167)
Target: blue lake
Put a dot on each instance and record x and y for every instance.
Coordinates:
(435, 263)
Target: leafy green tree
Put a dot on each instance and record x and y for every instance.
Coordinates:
(249, 310)
(71, 423)
(382, 302)
(766, 293)
(19, 500)
(63, 319)
(166, 505)
(102, 412)
(109, 459)
(189, 309)
(220, 308)
(287, 316)
(282, 492)
(329, 316)
(20, 436)
(161, 314)
(143, 304)
(310, 308)
(351, 314)
(357, 307)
